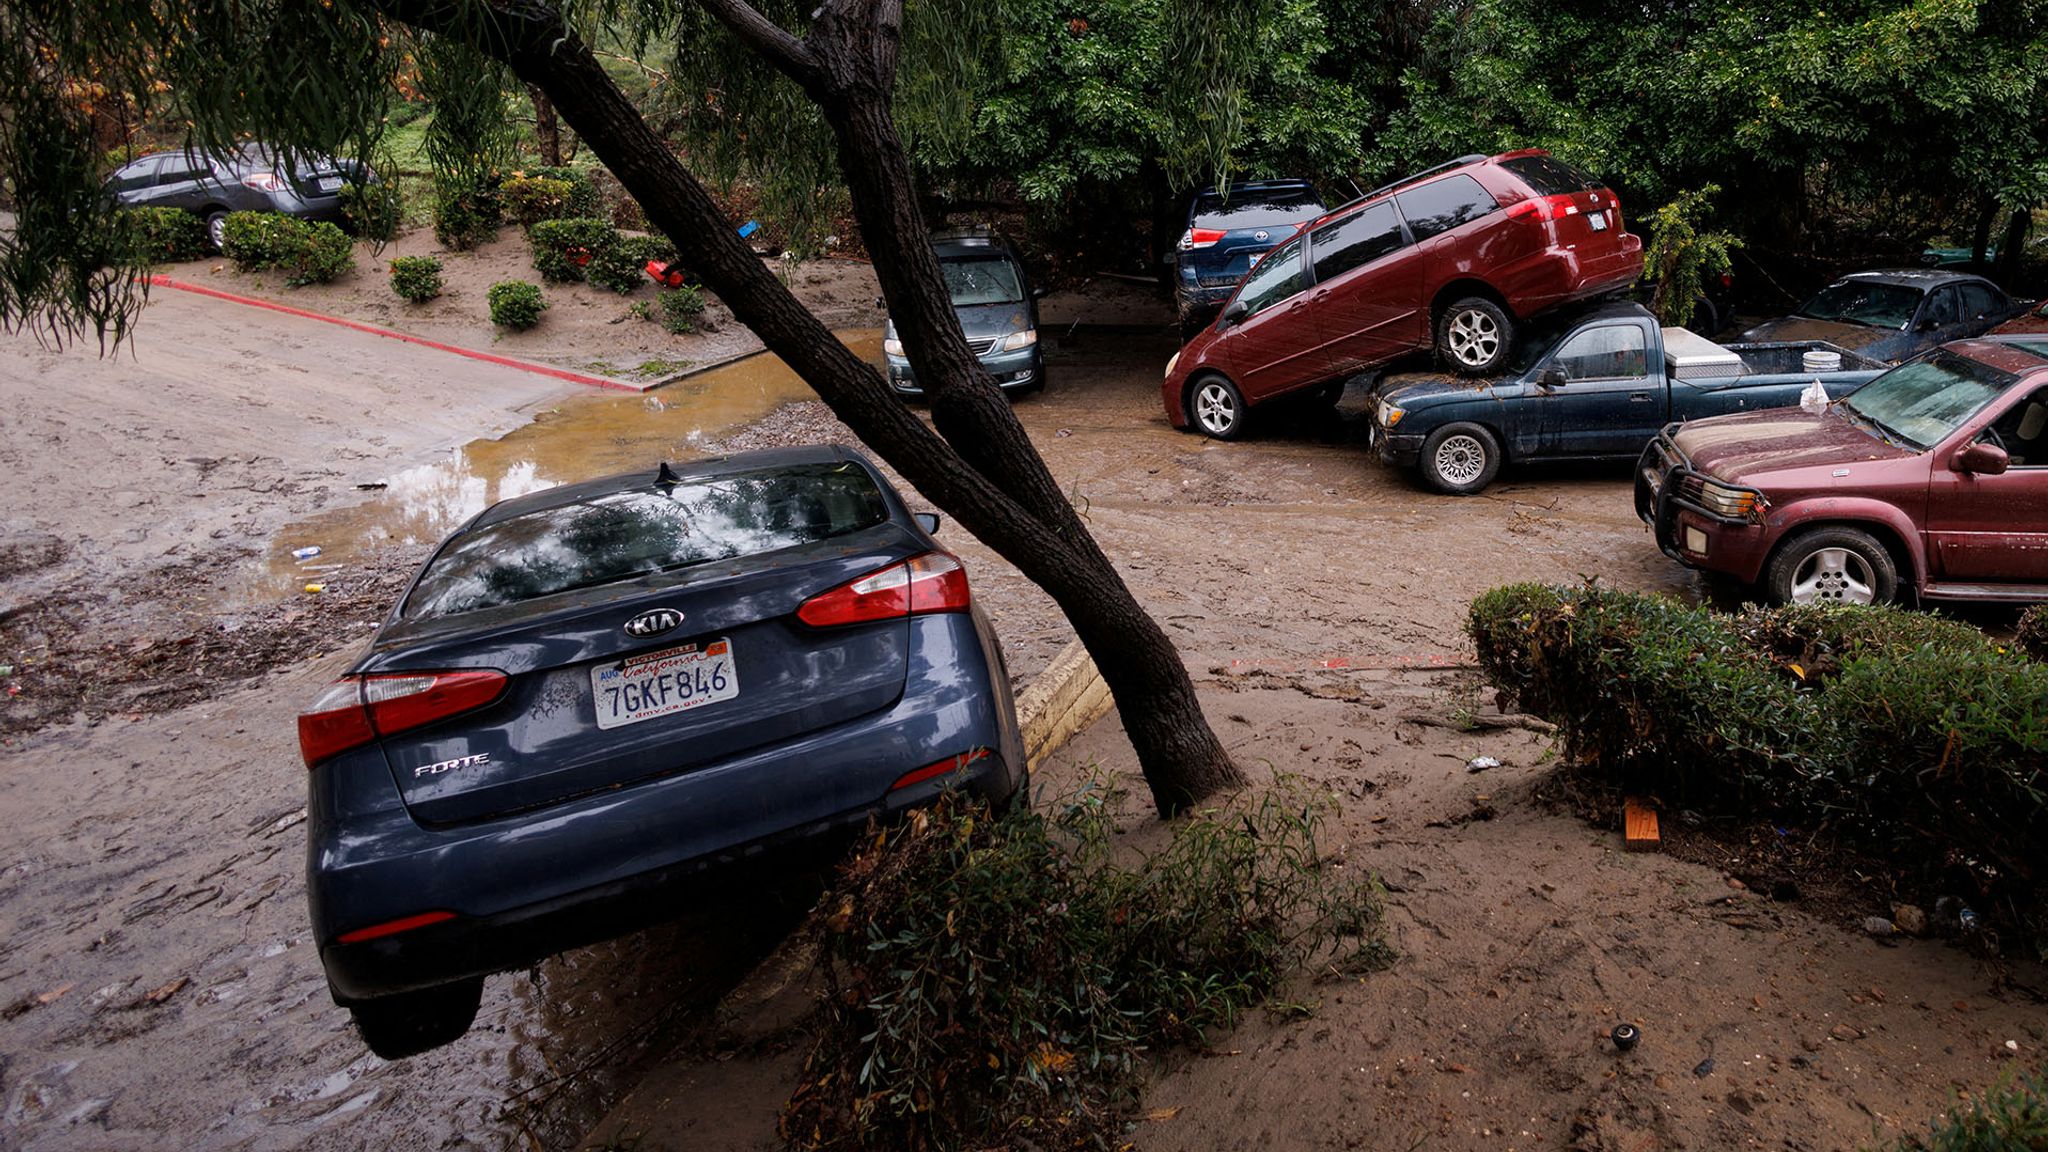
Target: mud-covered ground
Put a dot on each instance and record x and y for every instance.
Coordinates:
(158, 989)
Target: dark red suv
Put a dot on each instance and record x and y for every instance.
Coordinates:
(1459, 255)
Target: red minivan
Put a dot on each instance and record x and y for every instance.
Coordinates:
(1459, 255)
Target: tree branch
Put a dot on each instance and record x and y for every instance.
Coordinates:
(767, 37)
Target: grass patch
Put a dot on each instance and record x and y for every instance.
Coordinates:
(660, 367)
(1003, 981)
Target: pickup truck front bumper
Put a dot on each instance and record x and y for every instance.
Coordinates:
(1395, 448)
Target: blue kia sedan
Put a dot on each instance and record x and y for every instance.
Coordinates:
(592, 695)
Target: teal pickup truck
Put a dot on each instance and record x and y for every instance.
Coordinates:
(1596, 385)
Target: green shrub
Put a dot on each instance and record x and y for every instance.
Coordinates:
(562, 249)
(994, 976)
(622, 266)
(306, 252)
(532, 199)
(2031, 636)
(167, 235)
(416, 278)
(373, 211)
(581, 199)
(516, 304)
(466, 213)
(2011, 1117)
(1916, 738)
(680, 308)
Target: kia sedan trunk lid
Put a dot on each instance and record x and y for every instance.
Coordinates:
(644, 629)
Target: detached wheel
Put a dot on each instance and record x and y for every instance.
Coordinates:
(410, 1023)
(1475, 335)
(217, 230)
(1460, 459)
(1832, 566)
(1218, 408)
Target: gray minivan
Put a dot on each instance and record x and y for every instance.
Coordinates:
(997, 307)
(249, 179)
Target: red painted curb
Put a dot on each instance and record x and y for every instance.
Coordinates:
(372, 329)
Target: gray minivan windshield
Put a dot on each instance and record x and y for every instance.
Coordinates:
(621, 535)
(975, 280)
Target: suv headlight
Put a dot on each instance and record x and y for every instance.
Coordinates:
(1390, 415)
(1735, 503)
(1024, 339)
(893, 346)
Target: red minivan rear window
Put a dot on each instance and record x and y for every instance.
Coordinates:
(1549, 176)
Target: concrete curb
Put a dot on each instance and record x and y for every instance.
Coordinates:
(1064, 699)
(390, 334)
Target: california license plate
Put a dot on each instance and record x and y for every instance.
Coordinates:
(1598, 220)
(330, 183)
(663, 683)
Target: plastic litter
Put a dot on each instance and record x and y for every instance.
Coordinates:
(316, 587)
(1814, 400)
(1966, 919)
(1625, 1036)
(306, 553)
(1880, 927)
(1481, 763)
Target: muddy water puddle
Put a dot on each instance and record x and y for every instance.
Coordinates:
(584, 437)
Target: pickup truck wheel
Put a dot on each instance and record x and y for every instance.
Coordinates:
(1474, 335)
(1218, 408)
(1460, 459)
(410, 1023)
(1832, 566)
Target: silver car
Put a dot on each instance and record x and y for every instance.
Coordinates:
(249, 179)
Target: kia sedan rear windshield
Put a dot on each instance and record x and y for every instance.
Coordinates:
(1256, 208)
(1549, 176)
(1919, 404)
(622, 535)
(1865, 302)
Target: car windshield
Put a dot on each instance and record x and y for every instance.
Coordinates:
(1865, 302)
(626, 534)
(1921, 403)
(981, 280)
(1256, 208)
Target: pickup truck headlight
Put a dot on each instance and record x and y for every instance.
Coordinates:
(893, 346)
(1735, 503)
(1024, 339)
(1390, 415)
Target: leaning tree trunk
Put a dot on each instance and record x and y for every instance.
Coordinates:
(2012, 246)
(547, 129)
(985, 472)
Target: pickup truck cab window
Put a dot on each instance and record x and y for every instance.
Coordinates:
(1279, 277)
(1355, 240)
(1610, 352)
(1441, 205)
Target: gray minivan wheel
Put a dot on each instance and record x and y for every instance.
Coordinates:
(1475, 335)
(217, 230)
(1217, 408)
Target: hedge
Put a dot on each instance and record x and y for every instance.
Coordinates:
(416, 278)
(563, 249)
(167, 235)
(307, 252)
(466, 213)
(516, 304)
(373, 211)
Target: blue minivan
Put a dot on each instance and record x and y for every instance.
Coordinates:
(1227, 231)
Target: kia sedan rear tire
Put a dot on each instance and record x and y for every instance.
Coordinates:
(1837, 565)
(1460, 459)
(1475, 336)
(1218, 408)
(410, 1023)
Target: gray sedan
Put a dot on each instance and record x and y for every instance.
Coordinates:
(1894, 314)
(249, 179)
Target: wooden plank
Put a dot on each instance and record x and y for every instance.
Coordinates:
(1639, 825)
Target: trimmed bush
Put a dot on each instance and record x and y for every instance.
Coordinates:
(516, 304)
(1916, 738)
(416, 278)
(532, 199)
(2032, 634)
(562, 249)
(465, 214)
(680, 308)
(622, 266)
(167, 235)
(581, 199)
(994, 976)
(306, 252)
(2012, 1116)
(373, 211)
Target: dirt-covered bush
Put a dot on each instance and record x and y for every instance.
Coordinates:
(2011, 1117)
(681, 308)
(373, 211)
(532, 199)
(562, 249)
(1917, 739)
(622, 265)
(466, 212)
(1003, 981)
(581, 198)
(167, 235)
(307, 252)
(416, 278)
(516, 304)
(2031, 636)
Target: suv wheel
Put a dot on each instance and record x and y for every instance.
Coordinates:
(1832, 566)
(1475, 335)
(1460, 459)
(217, 230)
(1217, 407)
(412, 1022)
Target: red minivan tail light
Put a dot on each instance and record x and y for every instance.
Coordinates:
(355, 710)
(1200, 238)
(933, 582)
(1545, 208)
